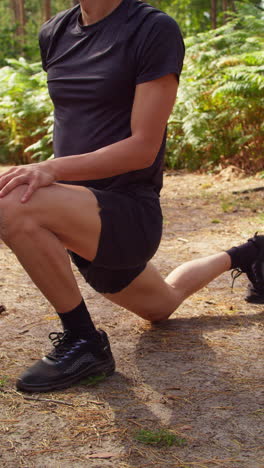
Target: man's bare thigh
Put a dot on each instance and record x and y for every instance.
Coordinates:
(71, 212)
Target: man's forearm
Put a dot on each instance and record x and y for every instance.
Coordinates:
(124, 156)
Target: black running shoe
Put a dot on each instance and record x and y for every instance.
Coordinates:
(255, 273)
(71, 360)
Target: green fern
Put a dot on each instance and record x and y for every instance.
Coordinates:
(24, 106)
(220, 101)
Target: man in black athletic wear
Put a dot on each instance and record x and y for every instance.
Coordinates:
(113, 68)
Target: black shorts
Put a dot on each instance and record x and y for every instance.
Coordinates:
(130, 235)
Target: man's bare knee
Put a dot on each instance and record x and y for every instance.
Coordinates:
(154, 314)
(12, 213)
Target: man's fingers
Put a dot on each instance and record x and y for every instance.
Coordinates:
(29, 175)
(4, 180)
(30, 190)
(8, 175)
(12, 169)
(11, 184)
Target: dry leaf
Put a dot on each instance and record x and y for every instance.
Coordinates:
(186, 427)
(102, 455)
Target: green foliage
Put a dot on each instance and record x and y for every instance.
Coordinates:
(219, 114)
(11, 45)
(93, 380)
(159, 438)
(195, 16)
(8, 39)
(25, 113)
(3, 381)
(215, 221)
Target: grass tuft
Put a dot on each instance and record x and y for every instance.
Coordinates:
(227, 206)
(215, 221)
(3, 381)
(93, 380)
(159, 438)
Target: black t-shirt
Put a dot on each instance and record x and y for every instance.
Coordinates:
(92, 75)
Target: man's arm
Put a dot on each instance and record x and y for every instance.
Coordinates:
(152, 106)
(151, 109)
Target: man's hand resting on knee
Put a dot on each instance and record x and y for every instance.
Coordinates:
(33, 175)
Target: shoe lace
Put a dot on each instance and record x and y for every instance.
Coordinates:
(254, 238)
(63, 344)
(234, 275)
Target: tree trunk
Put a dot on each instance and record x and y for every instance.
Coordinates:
(18, 8)
(213, 14)
(75, 2)
(47, 9)
(224, 8)
(232, 5)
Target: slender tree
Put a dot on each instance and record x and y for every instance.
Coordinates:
(18, 9)
(213, 14)
(47, 9)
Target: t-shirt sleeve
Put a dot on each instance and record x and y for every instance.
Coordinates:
(44, 44)
(46, 35)
(161, 49)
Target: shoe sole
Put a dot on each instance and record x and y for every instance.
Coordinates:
(103, 370)
(255, 300)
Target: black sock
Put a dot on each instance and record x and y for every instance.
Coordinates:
(79, 322)
(243, 256)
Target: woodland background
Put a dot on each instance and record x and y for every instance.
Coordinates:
(219, 114)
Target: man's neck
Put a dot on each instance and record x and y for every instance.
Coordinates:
(93, 11)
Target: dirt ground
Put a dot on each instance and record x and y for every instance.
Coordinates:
(199, 375)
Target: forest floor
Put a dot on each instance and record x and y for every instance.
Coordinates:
(198, 375)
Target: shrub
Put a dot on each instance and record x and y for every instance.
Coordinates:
(217, 120)
(25, 113)
(218, 117)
